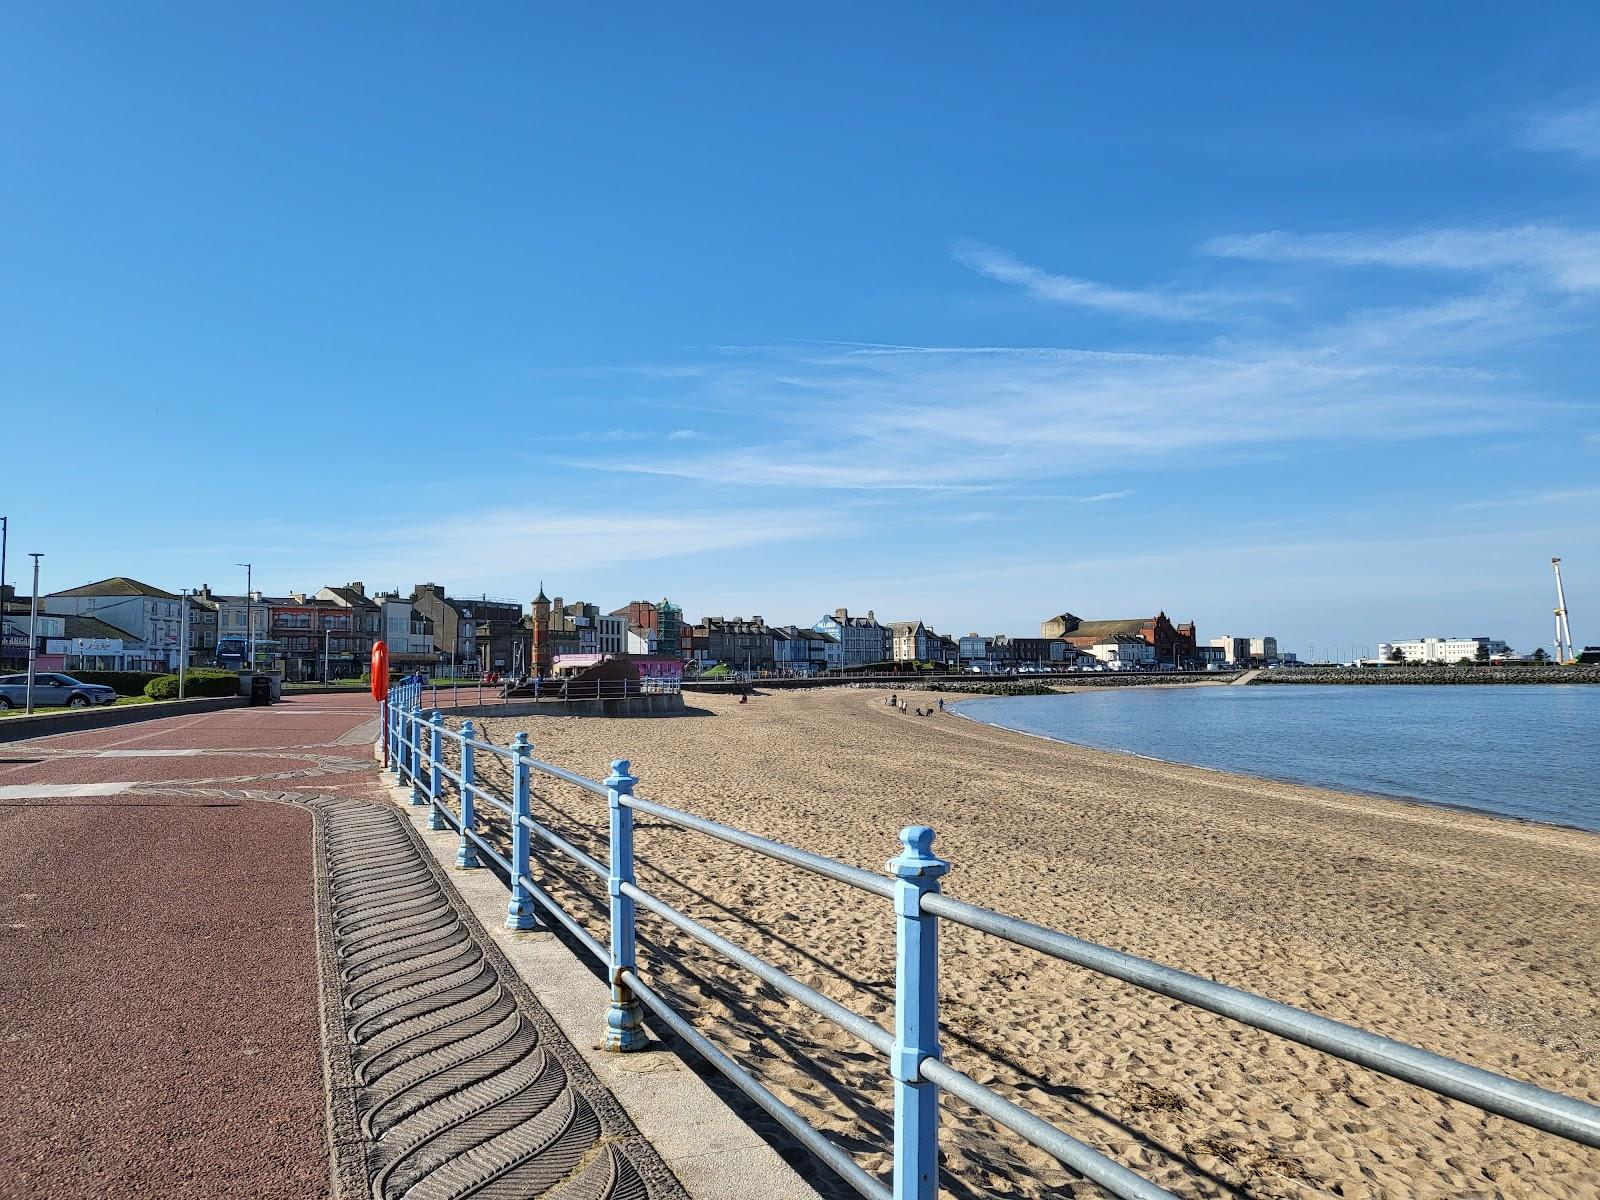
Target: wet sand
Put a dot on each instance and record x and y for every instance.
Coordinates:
(1468, 935)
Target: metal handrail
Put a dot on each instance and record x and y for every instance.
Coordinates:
(867, 1030)
(820, 1145)
(867, 881)
(1522, 1102)
(578, 856)
(1080, 1156)
(919, 1073)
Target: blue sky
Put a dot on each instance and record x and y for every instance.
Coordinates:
(1282, 324)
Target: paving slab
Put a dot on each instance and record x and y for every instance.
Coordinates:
(233, 969)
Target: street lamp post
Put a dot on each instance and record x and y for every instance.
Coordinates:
(33, 628)
(249, 612)
(183, 643)
(325, 632)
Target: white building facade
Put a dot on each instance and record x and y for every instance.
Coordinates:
(1440, 649)
(612, 632)
(1124, 651)
(154, 617)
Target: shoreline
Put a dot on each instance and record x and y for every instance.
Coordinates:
(1467, 935)
(1365, 793)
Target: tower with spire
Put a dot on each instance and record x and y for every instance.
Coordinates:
(543, 653)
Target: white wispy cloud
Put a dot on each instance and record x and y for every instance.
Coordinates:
(683, 435)
(1583, 495)
(1064, 289)
(953, 419)
(1101, 497)
(497, 545)
(1565, 259)
(1575, 131)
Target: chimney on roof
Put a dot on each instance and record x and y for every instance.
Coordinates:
(871, 616)
(841, 614)
(298, 597)
(357, 587)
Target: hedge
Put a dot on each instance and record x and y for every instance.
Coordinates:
(198, 683)
(124, 683)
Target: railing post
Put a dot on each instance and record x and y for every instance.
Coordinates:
(399, 744)
(418, 765)
(389, 763)
(436, 819)
(916, 1017)
(625, 1017)
(413, 745)
(467, 853)
(519, 913)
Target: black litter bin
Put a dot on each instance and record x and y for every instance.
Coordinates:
(260, 689)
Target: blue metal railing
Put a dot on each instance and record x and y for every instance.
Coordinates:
(919, 1073)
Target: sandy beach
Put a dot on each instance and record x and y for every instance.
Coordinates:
(1468, 935)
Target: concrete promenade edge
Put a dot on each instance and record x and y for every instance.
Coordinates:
(714, 1152)
(226, 949)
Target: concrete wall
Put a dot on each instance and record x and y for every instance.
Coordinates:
(647, 705)
(1404, 673)
(16, 729)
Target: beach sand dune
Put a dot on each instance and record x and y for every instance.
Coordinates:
(1467, 935)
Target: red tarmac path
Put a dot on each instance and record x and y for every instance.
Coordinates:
(159, 1027)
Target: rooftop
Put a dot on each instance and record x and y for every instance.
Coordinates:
(117, 585)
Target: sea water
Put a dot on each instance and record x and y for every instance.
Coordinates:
(1528, 751)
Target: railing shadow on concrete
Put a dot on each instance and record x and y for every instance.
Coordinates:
(415, 741)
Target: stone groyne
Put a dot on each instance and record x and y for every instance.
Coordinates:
(1400, 673)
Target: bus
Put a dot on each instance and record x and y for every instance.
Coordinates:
(233, 652)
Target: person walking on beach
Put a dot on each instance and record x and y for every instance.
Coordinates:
(941, 703)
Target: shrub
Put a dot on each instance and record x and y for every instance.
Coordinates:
(196, 683)
(124, 683)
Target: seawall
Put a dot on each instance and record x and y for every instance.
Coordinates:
(16, 729)
(1400, 673)
(650, 704)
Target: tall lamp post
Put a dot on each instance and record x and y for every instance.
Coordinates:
(33, 629)
(249, 612)
(183, 643)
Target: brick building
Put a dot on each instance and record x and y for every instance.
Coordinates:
(1174, 645)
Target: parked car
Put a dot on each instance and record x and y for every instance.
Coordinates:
(52, 689)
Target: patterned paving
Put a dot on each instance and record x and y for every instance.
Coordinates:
(445, 1077)
(461, 1084)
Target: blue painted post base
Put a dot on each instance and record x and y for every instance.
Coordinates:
(520, 915)
(467, 855)
(416, 794)
(625, 1023)
(436, 821)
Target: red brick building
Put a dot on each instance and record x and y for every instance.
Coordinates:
(1174, 644)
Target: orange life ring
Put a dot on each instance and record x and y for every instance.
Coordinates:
(380, 671)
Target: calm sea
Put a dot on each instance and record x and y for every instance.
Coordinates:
(1526, 751)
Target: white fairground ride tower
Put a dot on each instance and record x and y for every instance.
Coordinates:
(1565, 652)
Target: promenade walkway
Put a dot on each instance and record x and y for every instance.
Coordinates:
(182, 900)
